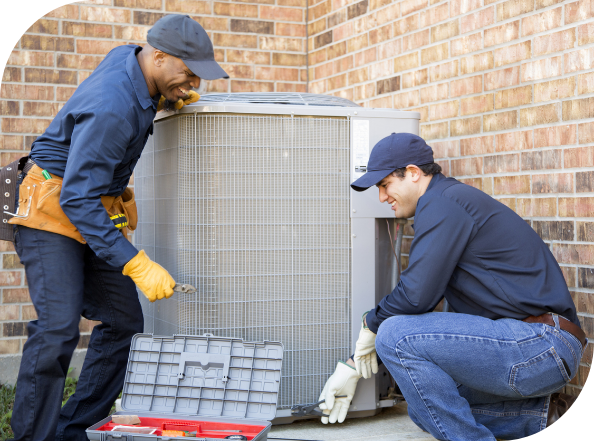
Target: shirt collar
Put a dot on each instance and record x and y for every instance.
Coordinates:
(434, 180)
(138, 81)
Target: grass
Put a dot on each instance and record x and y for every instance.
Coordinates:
(7, 400)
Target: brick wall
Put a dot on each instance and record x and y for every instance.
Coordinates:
(260, 43)
(505, 93)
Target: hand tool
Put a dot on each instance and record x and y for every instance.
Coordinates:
(309, 409)
(189, 289)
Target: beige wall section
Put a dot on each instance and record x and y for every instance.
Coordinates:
(504, 88)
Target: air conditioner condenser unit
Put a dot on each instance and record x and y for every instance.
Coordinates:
(247, 198)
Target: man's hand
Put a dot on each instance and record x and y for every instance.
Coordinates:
(153, 280)
(192, 97)
(342, 382)
(365, 355)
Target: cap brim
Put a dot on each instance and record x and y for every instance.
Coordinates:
(207, 69)
(370, 179)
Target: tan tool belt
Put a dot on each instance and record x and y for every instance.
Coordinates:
(39, 206)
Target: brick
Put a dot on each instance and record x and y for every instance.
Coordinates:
(28, 312)
(477, 146)
(317, 57)
(467, 166)
(585, 83)
(476, 104)
(290, 29)
(322, 9)
(478, 20)
(582, 59)
(406, 25)
(387, 15)
(578, 157)
(434, 93)
(64, 93)
(576, 207)
(44, 26)
(381, 69)
(282, 59)
(444, 110)
(476, 63)
(511, 184)
(40, 109)
(14, 329)
(381, 34)
(231, 40)
(213, 23)
(537, 70)
(364, 91)
(584, 182)
(68, 11)
(502, 78)
(290, 87)
(546, 114)
(416, 40)
(15, 295)
(508, 202)
(110, 15)
(410, 6)
(9, 312)
(186, 6)
(406, 99)
(554, 90)
(87, 29)
(434, 131)
(513, 8)
(585, 231)
(251, 86)
(362, 75)
(357, 9)
(554, 230)
(502, 34)
(10, 346)
(357, 43)
(54, 76)
(236, 10)
(375, 4)
(512, 53)
(445, 149)
(578, 109)
(465, 45)
(502, 163)
(9, 108)
(406, 62)
(584, 301)
(44, 43)
(249, 57)
(545, 160)
(11, 74)
(276, 73)
(556, 42)
(444, 71)
(466, 126)
(500, 121)
(136, 33)
(280, 13)
(435, 53)
(463, 6)
(337, 50)
(29, 92)
(537, 207)
(586, 132)
(434, 15)
(238, 70)
(95, 46)
(24, 125)
(140, 4)
(542, 22)
(586, 33)
(71, 61)
(578, 11)
(544, 3)
(366, 57)
(513, 97)
(384, 102)
(554, 136)
(253, 26)
(337, 82)
(466, 86)
(11, 142)
(343, 31)
(387, 86)
(445, 31)
(31, 58)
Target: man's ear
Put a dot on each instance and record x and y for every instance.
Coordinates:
(159, 57)
(415, 172)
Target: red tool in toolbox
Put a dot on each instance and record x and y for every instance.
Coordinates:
(197, 387)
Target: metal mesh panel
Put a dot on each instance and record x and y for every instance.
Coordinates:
(254, 212)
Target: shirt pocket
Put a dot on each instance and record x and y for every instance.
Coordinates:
(540, 375)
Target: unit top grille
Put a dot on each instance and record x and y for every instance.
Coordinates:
(299, 99)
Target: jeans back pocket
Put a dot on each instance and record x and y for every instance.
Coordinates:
(541, 375)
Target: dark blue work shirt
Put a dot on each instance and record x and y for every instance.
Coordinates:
(480, 255)
(94, 143)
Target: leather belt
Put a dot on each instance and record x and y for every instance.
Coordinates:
(564, 324)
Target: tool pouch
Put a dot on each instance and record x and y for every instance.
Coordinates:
(39, 206)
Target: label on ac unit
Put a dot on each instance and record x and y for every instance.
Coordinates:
(360, 146)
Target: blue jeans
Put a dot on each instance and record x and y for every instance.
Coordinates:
(466, 377)
(66, 280)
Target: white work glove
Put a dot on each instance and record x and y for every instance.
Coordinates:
(365, 356)
(342, 382)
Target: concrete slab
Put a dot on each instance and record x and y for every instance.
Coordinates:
(392, 424)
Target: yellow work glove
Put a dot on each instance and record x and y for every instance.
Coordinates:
(153, 280)
(192, 98)
(342, 382)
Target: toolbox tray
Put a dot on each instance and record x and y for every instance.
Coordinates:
(204, 383)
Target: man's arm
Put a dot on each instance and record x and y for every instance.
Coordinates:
(98, 145)
(442, 231)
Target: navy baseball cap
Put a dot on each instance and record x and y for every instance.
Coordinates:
(395, 151)
(184, 38)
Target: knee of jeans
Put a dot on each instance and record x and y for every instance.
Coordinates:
(388, 334)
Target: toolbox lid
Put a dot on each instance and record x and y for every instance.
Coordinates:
(205, 376)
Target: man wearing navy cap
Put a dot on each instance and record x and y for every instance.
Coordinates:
(76, 261)
(488, 370)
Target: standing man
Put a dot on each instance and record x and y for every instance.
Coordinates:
(488, 370)
(76, 261)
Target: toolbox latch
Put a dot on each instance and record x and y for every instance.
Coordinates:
(205, 361)
(113, 436)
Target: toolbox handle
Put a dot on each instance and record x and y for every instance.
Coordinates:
(205, 361)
